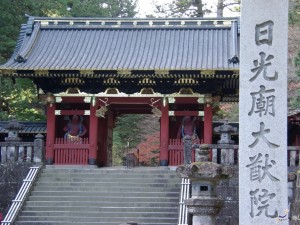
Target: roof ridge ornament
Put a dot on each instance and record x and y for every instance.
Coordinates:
(134, 22)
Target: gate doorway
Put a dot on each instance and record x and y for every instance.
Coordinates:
(136, 140)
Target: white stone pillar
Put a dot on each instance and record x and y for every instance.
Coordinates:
(263, 113)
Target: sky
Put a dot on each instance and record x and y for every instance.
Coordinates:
(147, 7)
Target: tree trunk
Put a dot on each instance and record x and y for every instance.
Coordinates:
(220, 8)
(199, 6)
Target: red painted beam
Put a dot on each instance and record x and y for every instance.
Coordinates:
(186, 113)
(186, 100)
(72, 112)
(72, 99)
(129, 100)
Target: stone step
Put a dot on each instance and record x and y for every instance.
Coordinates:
(104, 184)
(107, 189)
(136, 180)
(103, 198)
(87, 214)
(85, 223)
(100, 204)
(84, 220)
(115, 175)
(102, 208)
(104, 194)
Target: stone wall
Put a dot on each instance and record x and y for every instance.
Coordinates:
(11, 179)
(228, 189)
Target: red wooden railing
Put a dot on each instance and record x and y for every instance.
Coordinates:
(176, 152)
(71, 152)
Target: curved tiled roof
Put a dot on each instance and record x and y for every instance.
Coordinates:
(125, 44)
(29, 127)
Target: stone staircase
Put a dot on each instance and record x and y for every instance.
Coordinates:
(62, 196)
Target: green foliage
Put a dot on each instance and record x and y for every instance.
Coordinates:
(126, 136)
(295, 101)
(231, 114)
(294, 14)
(181, 8)
(19, 97)
(101, 8)
(297, 64)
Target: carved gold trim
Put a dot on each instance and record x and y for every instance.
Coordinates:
(146, 80)
(162, 72)
(207, 72)
(188, 91)
(111, 80)
(156, 112)
(186, 81)
(146, 91)
(73, 90)
(44, 72)
(5, 71)
(86, 72)
(111, 91)
(124, 72)
(72, 80)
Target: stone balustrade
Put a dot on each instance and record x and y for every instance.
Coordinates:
(15, 151)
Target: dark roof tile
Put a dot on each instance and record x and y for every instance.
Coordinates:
(58, 46)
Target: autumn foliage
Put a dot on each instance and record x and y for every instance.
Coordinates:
(149, 149)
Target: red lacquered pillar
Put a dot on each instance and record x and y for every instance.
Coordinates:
(93, 135)
(164, 135)
(50, 134)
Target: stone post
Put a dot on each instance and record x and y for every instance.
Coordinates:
(263, 197)
(13, 127)
(39, 149)
(225, 131)
(11, 152)
(204, 205)
(187, 157)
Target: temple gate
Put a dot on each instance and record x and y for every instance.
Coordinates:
(91, 70)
